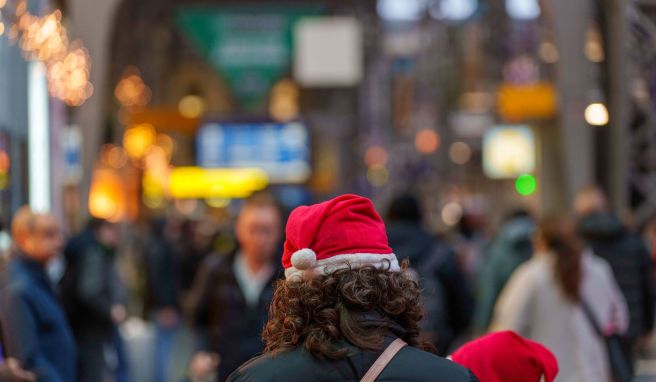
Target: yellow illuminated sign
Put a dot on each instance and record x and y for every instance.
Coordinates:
(204, 183)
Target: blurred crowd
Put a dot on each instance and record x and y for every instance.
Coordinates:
(197, 291)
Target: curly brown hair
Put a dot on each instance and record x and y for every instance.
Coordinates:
(319, 312)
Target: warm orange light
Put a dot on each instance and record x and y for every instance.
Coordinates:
(106, 196)
(4, 162)
(284, 101)
(116, 157)
(191, 106)
(131, 90)
(167, 144)
(375, 156)
(138, 139)
(427, 141)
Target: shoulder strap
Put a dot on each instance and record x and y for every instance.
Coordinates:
(591, 318)
(384, 359)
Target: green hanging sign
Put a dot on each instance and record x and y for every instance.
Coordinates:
(251, 47)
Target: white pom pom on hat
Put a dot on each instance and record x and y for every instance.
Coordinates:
(304, 259)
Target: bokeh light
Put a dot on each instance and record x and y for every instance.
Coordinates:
(4, 180)
(526, 184)
(116, 157)
(375, 156)
(401, 10)
(191, 106)
(186, 206)
(283, 105)
(154, 202)
(4, 161)
(131, 89)
(218, 202)
(138, 139)
(106, 197)
(427, 141)
(454, 10)
(167, 143)
(548, 52)
(460, 153)
(451, 213)
(593, 48)
(377, 176)
(523, 9)
(596, 114)
(68, 78)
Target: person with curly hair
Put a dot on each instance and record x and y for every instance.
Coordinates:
(346, 310)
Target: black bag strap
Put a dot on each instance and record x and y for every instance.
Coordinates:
(589, 314)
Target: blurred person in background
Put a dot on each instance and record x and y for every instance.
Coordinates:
(629, 259)
(5, 243)
(191, 248)
(346, 310)
(35, 329)
(231, 294)
(470, 239)
(511, 247)
(94, 299)
(161, 300)
(547, 298)
(444, 282)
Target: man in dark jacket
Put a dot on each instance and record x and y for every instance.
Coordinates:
(628, 258)
(231, 294)
(345, 300)
(35, 330)
(435, 263)
(94, 300)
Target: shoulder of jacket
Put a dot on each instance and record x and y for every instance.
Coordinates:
(425, 364)
(260, 368)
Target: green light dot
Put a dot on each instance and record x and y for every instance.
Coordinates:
(526, 184)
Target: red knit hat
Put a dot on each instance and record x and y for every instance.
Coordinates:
(343, 232)
(506, 356)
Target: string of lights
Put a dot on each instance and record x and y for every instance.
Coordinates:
(44, 38)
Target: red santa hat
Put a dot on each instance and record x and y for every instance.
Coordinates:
(506, 356)
(343, 232)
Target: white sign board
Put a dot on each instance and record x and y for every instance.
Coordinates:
(328, 52)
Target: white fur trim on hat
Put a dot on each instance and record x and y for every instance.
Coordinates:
(304, 259)
(334, 263)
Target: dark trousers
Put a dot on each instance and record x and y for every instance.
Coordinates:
(92, 366)
(102, 360)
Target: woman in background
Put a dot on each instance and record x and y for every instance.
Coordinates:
(545, 298)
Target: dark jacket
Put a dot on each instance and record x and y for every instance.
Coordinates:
(90, 287)
(410, 364)
(512, 247)
(34, 326)
(217, 305)
(632, 266)
(162, 285)
(436, 262)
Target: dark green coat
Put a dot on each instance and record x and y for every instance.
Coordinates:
(410, 364)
